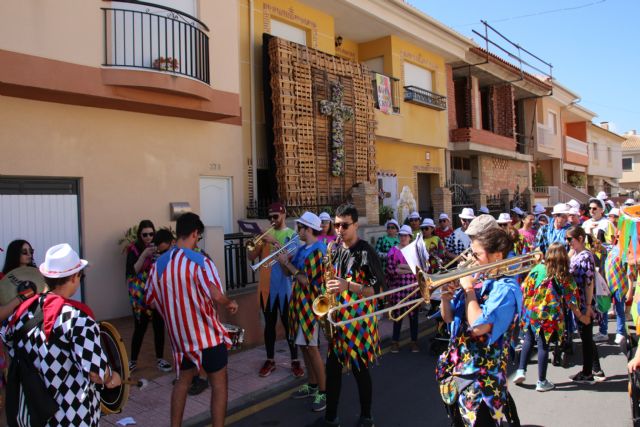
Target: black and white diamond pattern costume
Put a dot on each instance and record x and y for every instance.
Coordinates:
(64, 364)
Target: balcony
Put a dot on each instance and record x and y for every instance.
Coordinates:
(152, 37)
(576, 151)
(386, 92)
(424, 97)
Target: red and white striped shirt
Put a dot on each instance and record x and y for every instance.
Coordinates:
(178, 287)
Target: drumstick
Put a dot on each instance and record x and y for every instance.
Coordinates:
(141, 383)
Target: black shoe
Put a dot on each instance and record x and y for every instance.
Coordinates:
(322, 422)
(365, 422)
(198, 385)
(582, 378)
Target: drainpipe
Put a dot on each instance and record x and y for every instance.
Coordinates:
(252, 91)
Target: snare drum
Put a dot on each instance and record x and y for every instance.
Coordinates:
(236, 333)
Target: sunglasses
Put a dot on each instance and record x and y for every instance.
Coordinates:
(200, 237)
(343, 225)
(27, 252)
(593, 208)
(414, 219)
(325, 222)
(148, 234)
(442, 220)
(391, 228)
(302, 227)
(569, 239)
(276, 216)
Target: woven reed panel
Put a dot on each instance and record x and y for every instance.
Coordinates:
(300, 79)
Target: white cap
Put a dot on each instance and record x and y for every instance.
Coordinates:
(324, 216)
(405, 229)
(443, 216)
(629, 202)
(615, 212)
(428, 222)
(483, 210)
(574, 211)
(61, 261)
(601, 195)
(517, 211)
(610, 203)
(310, 220)
(392, 222)
(560, 209)
(467, 213)
(504, 218)
(574, 203)
(538, 209)
(414, 215)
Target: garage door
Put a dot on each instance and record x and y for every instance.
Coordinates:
(42, 211)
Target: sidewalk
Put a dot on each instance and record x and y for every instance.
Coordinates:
(151, 406)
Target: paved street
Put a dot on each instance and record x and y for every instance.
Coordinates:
(405, 394)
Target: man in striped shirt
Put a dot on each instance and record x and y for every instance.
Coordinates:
(183, 286)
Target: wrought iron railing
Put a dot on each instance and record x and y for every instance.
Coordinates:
(237, 270)
(155, 37)
(394, 94)
(425, 97)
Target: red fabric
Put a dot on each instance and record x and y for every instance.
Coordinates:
(443, 234)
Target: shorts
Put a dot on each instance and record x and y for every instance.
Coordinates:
(213, 359)
(313, 342)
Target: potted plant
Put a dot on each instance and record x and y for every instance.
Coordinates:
(166, 64)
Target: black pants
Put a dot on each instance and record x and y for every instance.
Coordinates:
(543, 353)
(334, 384)
(590, 358)
(413, 328)
(140, 327)
(270, 321)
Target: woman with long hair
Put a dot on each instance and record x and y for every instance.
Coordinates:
(546, 291)
(328, 233)
(140, 258)
(481, 318)
(19, 254)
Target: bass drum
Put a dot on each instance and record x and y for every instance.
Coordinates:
(112, 400)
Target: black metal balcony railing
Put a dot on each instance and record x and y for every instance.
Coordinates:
(424, 97)
(238, 273)
(169, 40)
(395, 92)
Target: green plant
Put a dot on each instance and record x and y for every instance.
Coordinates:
(577, 180)
(538, 179)
(129, 237)
(385, 213)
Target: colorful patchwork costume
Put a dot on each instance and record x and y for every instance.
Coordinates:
(137, 281)
(383, 245)
(396, 280)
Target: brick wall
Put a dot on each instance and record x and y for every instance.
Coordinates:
(451, 98)
(498, 174)
(502, 104)
(481, 136)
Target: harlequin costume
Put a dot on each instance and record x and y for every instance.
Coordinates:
(383, 245)
(437, 254)
(480, 363)
(136, 281)
(308, 260)
(396, 280)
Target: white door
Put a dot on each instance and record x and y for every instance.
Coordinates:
(43, 220)
(216, 205)
(390, 185)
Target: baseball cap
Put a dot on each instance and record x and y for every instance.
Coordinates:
(276, 207)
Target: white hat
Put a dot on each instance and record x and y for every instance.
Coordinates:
(481, 224)
(560, 209)
(414, 215)
(517, 211)
(443, 216)
(614, 211)
(61, 261)
(610, 203)
(324, 216)
(539, 217)
(574, 203)
(574, 211)
(601, 195)
(405, 229)
(484, 210)
(392, 222)
(504, 218)
(629, 202)
(428, 222)
(310, 220)
(538, 209)
(467, 213)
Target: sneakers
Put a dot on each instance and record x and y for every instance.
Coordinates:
(519, 376)
(304, 391)
(296, 369)
(414, 347)
(132, 365)
(599, 376)
(581, 378)
(395, 347)
(163, 365)
(619, 339)
(319, 402)
(365, 422)
(598, 337)
(198, 385)
(544, 386)
(268, 367)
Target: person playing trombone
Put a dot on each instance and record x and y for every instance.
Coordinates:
(481, 318)
(274, 290)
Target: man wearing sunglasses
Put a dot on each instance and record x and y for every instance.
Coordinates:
(556, 232)
(274, 291)
(598, 225)
(358, 274)
(459, 241)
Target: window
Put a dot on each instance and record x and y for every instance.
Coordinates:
(627, 163)
(552, 122)
(595, 151)
(460, 163)
(609, 155)
(375, 64)
(417, 76)
(288, 32)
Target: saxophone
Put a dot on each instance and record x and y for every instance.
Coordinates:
(325, 302)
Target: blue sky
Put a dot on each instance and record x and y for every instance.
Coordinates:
(593, 45)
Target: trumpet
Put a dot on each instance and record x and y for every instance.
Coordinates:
(290, 247)
(256, 241)
(426, 284)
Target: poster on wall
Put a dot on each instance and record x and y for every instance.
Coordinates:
(383, 89)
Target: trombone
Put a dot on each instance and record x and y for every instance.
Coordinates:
(427, 283)
(466, 258)
(290, 247)
(256, 241)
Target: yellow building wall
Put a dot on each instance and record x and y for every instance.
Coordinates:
(348, 50)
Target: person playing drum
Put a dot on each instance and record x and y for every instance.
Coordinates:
(64, 346)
